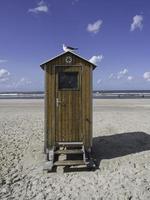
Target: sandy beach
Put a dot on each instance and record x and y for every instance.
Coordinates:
(121, 146)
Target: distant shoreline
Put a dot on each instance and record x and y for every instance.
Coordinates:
(106, 94)
(122, 94)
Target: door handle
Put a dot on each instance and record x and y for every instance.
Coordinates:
(57, 102)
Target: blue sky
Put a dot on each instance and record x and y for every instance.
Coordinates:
(114, 34)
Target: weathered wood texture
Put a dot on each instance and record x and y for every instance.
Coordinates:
(72, 120)
(45, 109)
(68, 111)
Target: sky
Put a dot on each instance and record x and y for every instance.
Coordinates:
(114, 35)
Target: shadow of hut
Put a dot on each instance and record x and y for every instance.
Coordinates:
(112, 146)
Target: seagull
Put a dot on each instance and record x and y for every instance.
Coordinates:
(67, 48)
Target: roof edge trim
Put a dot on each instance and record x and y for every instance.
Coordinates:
(42, 64)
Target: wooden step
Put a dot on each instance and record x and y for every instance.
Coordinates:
(69, 151)
(69, 162)
(71, 144)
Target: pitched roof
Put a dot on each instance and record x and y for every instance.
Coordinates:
(42, 64)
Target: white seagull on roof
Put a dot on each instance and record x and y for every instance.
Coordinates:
(67, 48)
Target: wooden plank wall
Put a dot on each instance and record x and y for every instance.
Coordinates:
(86, 99)
(87, 105)
(45, 110)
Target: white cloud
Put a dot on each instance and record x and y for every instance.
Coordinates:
(7, 81)
(146, 76)
(122, 73)
(95, 27)
(4, 75)
(4, 80)
(75, 1)
(111, 76)
(22, 82)
(26, 81)
(99, 81)
(137, 23)
(3, 61)
(41, 7)
(96, 59)
(130, 78)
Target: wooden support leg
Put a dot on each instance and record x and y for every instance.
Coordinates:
(90, 161)
(50, 155)
(50, 159)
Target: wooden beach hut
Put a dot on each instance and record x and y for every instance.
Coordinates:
(68, 107)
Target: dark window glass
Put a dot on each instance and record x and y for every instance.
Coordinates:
(68, 80)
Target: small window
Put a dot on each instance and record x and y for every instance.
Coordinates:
(68, 80)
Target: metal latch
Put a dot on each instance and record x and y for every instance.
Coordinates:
(57, 102)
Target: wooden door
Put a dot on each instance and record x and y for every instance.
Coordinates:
(68, 104)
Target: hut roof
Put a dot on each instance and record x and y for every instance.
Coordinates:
(47, 61)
